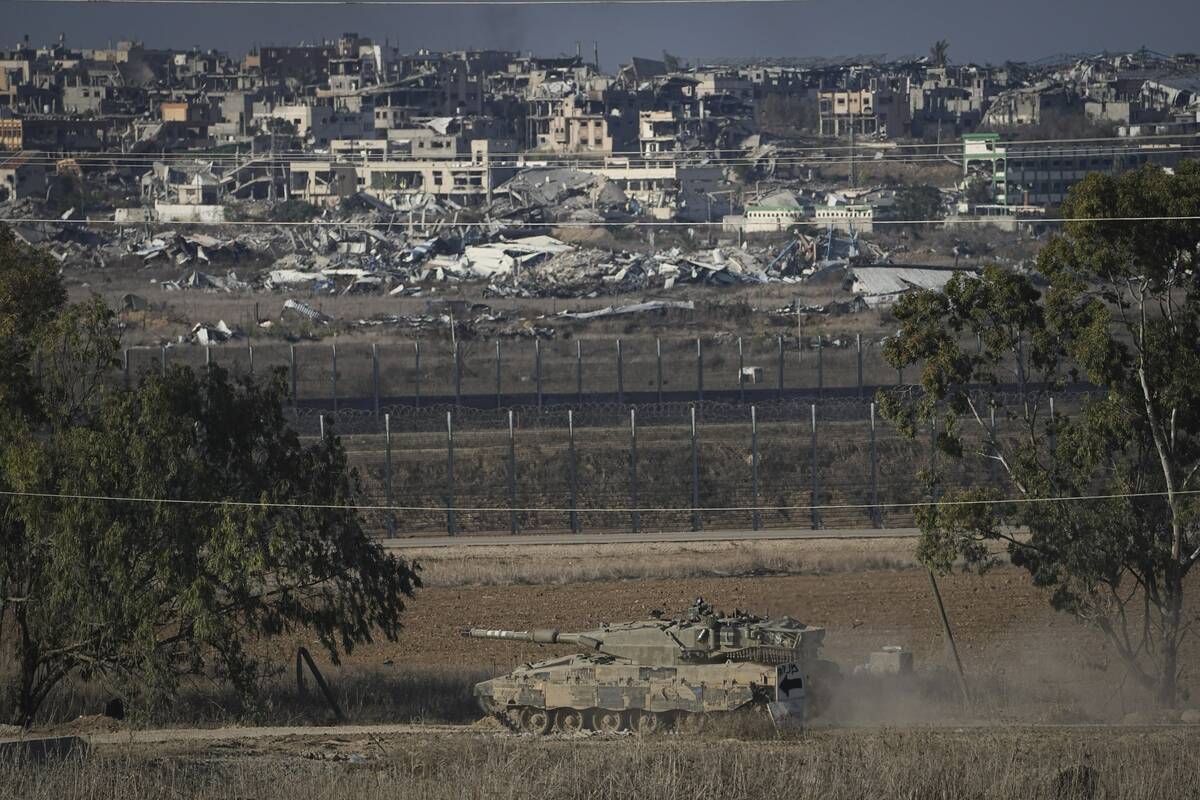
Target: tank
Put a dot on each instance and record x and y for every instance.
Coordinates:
(646, 675)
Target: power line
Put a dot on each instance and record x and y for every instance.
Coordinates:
(414, 2)
(608, 510)
(533, 162)
(588, 224)
(714, 154)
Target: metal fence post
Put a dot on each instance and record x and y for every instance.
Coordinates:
(572, 471)
(579, 372)
(537, 371)
(321, 421)
(292, 375)
(162, 364)
(658, 366)
(125, 367)
(499, 401)
(207, 355)
(635, 516)
(876, 511)
(512, 475)
(620, 375)
(417, 373)
(816, 515)
(699, 370)
(457, 374)
(451, 522)
(250, 350)
(334, 379)
(741, 372)
(756, 515)
(858, 345)
(820, 366)
(695, 476)
(781, 353)
(387, 473)
(375, 378)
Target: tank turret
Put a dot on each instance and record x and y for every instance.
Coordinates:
(650, 672)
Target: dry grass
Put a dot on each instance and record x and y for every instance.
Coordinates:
(565, 564)
(1002, 764)
(366, 695)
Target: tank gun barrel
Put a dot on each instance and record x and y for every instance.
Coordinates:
(538, 636)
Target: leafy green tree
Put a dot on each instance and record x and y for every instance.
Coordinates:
(1122, 311)
(31, 294)
(919, 203)
(227, 531)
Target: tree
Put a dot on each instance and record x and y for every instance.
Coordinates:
(278, 126)
(919, 203)
(1122, 312)
(939, 53)
(229, 529)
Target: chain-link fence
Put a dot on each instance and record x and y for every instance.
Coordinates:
(662, 467)
(540, 373)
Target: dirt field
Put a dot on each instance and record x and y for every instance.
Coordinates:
(862, 610)
(1027, 667)
(1033, 663)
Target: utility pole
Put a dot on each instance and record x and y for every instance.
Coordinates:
(852, 116)
(949, 634)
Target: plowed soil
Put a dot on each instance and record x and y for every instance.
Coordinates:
(1001, 622)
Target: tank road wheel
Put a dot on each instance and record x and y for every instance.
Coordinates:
(536, 721)
(645, 722)
(607, 721)
(570, 720)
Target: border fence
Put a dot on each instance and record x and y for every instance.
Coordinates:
(667, 444)
(536, 372)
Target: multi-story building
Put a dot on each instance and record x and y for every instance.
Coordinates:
(321, 124)
(1032, 174)
(866, 112)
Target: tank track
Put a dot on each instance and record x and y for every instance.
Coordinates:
(506, 718)
(506, 721)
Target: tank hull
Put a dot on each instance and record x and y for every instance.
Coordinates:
(601, 687)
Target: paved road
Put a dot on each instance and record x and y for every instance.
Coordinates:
(494, 540)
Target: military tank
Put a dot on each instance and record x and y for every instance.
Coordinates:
(647, 675)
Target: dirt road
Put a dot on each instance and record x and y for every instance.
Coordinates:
(646, 537)
(186, 735)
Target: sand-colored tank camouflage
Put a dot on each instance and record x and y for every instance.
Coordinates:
(645, 675)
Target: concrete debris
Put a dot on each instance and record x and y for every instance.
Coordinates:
(883, 285)
(635, 308)
(206, 282)
(204, 334)
(366, 247)
(183, 248)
